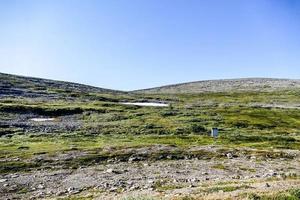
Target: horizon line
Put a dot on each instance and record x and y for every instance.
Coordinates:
(149, 88)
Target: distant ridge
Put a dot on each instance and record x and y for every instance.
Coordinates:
(15, 85)
(226, 85)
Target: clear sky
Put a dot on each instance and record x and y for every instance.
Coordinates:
(132, 44)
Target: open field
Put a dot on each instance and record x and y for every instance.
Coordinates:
(95, 147)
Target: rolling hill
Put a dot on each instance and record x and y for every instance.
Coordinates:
(13, 85)
(62, 140)
(226, 85)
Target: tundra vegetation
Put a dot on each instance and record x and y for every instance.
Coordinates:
(93, 134)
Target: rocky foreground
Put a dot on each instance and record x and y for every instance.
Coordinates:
(204, 172)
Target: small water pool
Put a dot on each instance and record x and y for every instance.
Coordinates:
(146, 104)
(42, 119)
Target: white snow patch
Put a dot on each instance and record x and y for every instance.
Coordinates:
(146, 104)
(42, 119)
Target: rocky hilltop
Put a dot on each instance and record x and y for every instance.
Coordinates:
(13, 85)
(227, 85)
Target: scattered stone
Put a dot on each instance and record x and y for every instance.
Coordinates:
(49, 192)
(75, 192)
(150, 181)
(109, 170)
(60, 193)
(110, 161)
(106, 185)
(137, 178)
(132, 159)
(13, 187)
(113, 189)
(272, 173)
(253, 158)
(229, 155)
(14, 176)
(41, 186)
(40, 195)
(193, 180)
(3, 180)
(146, 164)
(147, 186)
(133, 187)
(236, 177)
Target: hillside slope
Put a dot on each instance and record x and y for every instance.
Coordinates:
(62, 140)
(227, 85)
(13, 86)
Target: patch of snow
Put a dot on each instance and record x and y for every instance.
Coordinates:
(42, 119)
(146, 104)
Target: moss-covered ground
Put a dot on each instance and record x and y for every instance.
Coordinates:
(267, 120)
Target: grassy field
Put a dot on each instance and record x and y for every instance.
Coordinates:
(92, 129)
(245, 119)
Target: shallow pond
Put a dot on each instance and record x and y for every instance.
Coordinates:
(146, 104)
(42, 119)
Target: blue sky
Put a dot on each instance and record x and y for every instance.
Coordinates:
(132, 44)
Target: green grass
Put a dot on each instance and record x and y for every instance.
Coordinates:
(12, 167)
(220, 166)
(76, 198)
(10, 147)
(142, 198)
(293, 194)
(108, 128)
(225, 188)
(105, 123)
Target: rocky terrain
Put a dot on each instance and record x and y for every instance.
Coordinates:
(62, 140)
(20, 86)
(167, 175)
(227, 85)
